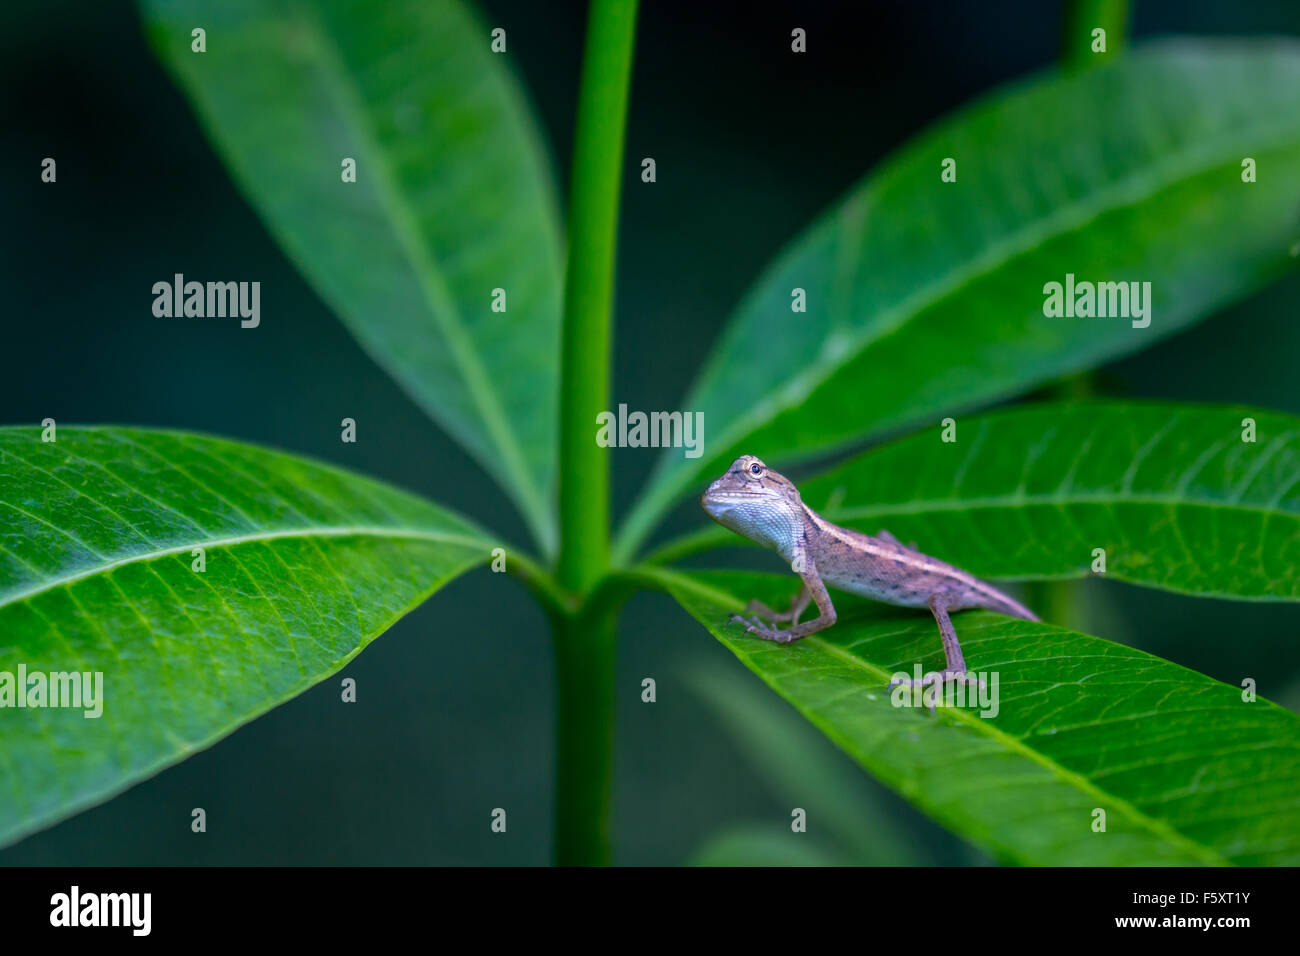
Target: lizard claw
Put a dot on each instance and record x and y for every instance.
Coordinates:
(756, 627)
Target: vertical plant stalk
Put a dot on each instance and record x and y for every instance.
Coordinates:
(584, 740)
(584, 640)
(1057, 601)
(1081, 18)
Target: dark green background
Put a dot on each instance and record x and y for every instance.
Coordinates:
(454, 710)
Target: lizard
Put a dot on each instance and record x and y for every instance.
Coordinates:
(763, 505)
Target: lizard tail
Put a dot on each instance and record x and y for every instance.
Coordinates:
(997, 601)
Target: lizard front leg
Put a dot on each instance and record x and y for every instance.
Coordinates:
(798, 604)
(954, 663)
(812, 589)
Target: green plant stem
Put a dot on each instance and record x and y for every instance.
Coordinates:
(1057, 601)
(1081, 18)
(584, 638)
(539, 581)
(584, 742)
(588, 292)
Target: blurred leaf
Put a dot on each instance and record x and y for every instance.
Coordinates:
(1186, 772)
(304, 566)
(756, 845)
(788, 752)
(925, 298)
(453, 198)
(1171, 492)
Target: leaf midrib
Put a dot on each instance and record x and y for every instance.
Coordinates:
(976, 724)
(323, 531)
(1139, 186)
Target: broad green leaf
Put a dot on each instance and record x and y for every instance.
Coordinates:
(453, 199)
(302, 566)
(1171, 493)
(1186, 771)
(925, 298)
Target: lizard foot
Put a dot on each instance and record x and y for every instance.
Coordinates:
(756, 627)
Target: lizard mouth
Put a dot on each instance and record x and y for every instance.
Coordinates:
(721, 496)
(719, 501)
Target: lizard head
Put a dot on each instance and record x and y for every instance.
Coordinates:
(756, 502)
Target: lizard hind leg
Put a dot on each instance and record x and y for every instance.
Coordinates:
(953, 659)
(954, 663)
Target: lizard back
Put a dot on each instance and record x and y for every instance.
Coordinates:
(896, 574)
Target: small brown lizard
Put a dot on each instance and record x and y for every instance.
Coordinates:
(764, 506)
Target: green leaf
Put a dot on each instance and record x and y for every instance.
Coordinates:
(1185, 770)
(757, 845)
(1172, 493)
(925, 298)
(453, 198)
(303, 565)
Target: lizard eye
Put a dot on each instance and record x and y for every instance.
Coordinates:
(755, 469)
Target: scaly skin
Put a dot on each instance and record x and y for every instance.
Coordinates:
(764, 506)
